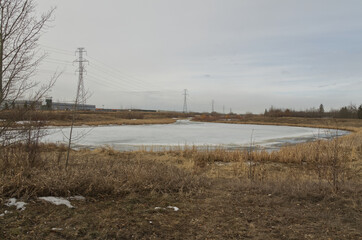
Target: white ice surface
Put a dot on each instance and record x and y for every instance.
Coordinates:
(183, 132)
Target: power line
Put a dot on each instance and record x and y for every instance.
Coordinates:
(106, 83)
(111, 80)
(105, 68)
(103, 74)
(118, 71)
(40, 70)
(57, 62)
(114, 76)
(62, 51)
(126, 75)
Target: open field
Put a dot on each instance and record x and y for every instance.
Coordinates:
(64, 118)
(306, 191)
(335, 123)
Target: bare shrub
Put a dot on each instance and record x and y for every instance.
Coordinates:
(20, 30)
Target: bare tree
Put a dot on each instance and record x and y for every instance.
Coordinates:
(20, 30)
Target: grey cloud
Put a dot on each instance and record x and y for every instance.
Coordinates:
(236, 50)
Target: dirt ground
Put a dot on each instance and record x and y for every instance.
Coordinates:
(218, 213)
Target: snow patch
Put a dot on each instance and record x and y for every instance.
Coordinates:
(174, 208)
(57, 201)
(57, 229)
(6, 212)
(22, 122)
(13, 202)
(78, 198)
(168, 207)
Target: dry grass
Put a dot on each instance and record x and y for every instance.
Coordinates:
(286, 194)
(64, 118)
(91, 173)
(108, 172)
(184, 170)
(329, 123)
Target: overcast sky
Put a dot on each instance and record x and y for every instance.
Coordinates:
(245, 54)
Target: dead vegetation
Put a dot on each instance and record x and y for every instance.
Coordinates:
(34, 170)
(64, 118)
(102, 172)
(329, 123)
(287, 194)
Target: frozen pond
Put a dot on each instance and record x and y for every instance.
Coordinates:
(184, 132)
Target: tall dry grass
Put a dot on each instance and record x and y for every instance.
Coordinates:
(64, 118)
(328, 163)
(329, 166)
(91, 173)
(329, 123)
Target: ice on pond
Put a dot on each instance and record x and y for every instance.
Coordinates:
(185, 132)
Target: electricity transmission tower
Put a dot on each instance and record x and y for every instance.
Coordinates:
(80, 97)
(185, 101)
(212, 104)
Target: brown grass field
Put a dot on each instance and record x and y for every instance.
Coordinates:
(305, 191)
(337, 123)
(64, 118)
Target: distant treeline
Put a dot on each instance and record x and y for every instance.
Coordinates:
(351, 111)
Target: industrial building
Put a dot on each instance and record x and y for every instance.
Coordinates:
(67, 106)
(7, 104)
(47, 105)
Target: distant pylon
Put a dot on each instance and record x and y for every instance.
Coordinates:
(185, 101)
(212, 106)
(80, 97)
